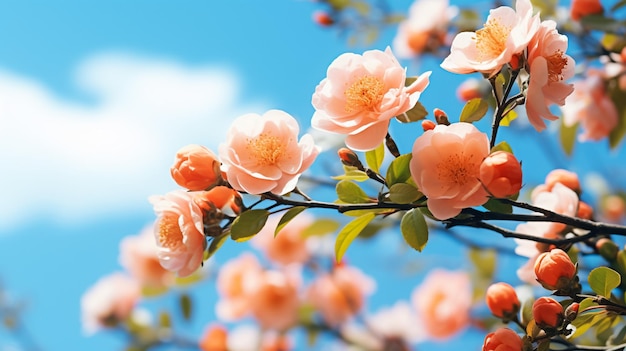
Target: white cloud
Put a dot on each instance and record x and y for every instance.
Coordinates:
(74, 160)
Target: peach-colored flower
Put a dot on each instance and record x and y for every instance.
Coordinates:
(446, 166)
(274, 302)
(289, 246)
(549, 68)
(590, 106)
(614, 66)
(506, 33)
(563, 176)
(235, 283)
(360, 95)
(555, 270)
(473, 88)
(503, 339)
(109, 301)
(262, 153)
(195, 167)
(425, 29)
(501, 174)
(547, 312)
(340, 295)
(613, 207)
(582, 8)
(214, 338)
(443, 303)
(179, 231)
(138, 255)
(502, 300)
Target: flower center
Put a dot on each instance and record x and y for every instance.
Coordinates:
(170, 235)
(458, 169)
(556, 63)
(364, 94)
(491, 39)
(266, 149)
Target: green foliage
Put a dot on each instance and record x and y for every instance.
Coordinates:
(417, 113)
(215, 245)
(403, 193)
(398, 171)
(351, 193)
(320, 226)
(165, 320)
(349, 232)
(495, 205)
(567, 136)
(603, 280)
(484, 262)
(474, 110)
(287, 217)
(374, 158)
(618, 96)
(602, 23)
(414, 229)
(508, 118)
(248, 224)
(502, 146)
(353, 174)
(186, 306)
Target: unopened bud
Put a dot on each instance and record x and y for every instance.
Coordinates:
(547, 313)
(515, 62)
(428, 125)
(349, 158)
(441, 117)
(555, 270)
(584, 210)
(571, 312)
(323, 18)
(607, 249)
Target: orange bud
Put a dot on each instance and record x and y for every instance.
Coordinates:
(502, 300)
(501, 174)
(515, 62)
(567, 178)
(584, 210)
(428, 125)
(503, 339)
(547, 312)
(469, 89)
(323, 18)
(195, 168)
(214, 339)
(582, 8)
(555, 270)
(441, 117)
(349, 157)
(571, 312)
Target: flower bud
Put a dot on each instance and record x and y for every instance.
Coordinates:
(195, 168)
(323, 18)
(469, 89)
(502, 300)
(607, 249)
(548, 312)
(501, 174)
(428, 125)
(503, 339)
(582, 8)
(555, 270)
(571, 312)
(441, 117)
(567, 178)
(349, 158)
(584, 210)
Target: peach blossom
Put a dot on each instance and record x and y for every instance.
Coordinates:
(503, 339)
(547, 312)
(289, 246)
(506, 33)
(235, 284)
(554, 269)
(360, 95)
(398, 324)
(549, 68)
(582, 8)
(195, 167)
(502, 300)
(563, 176)
(138, 255)
(274, 302)
(501, 174)
(108, 302)
(340, 295)
(446, 166)
(425, 29)
(443, 303)
(214, 338)
(613, 208)
(179, 231)
(262, 153)
(590, 106)
(614, 66)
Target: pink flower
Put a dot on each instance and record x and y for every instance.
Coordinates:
(425, 29)
(563, 176)
(443, 302)
(262, 153)
(549, 68)
(590, 106)
(235, 283)
(340, 295)
(109, 301)
(360, 95)
(274, 302)
(179, 231)
(506, 33)
(446, 166)
(289, 246)
(138, 255)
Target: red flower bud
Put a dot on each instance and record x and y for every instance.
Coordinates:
(555, 270)
(503, 339)
(323, 18)
(582, 8)
(428, 125)
(502, 300)
(547, 312)
(501, 174)
(349, 157)
(195, 168)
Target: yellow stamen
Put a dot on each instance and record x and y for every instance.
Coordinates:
(266, 149)
(491, 39)
(364, 94)
(458, 169)
(556, 63)
(170, 235)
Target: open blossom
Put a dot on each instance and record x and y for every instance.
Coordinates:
(274, 302)
(214, 338)
(549, 68)
(446, 167)
(360, 95)
(559, 175)
(341, 294)
(138, 255)
(109, 301)
(288, 246)
(425, 29)
(262, 153)
(506, 33)
(443, 303)
(235, 283)
(195, 167)
(590, 106)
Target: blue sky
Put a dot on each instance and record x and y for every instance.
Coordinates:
(95, 99)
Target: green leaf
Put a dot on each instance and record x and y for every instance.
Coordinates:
(417, 113)
(398, 171)
(403, 193)
(618, 5)
(184, 302)
(320, 226)
(502, 146)
(287, 217)
(484, 261)
(152, 291)
(248, 224)
(374, 158)
(414, 229)
(495, 205)
(349, 232)
(215, 245)
(585, 321)
(474, 110)
(603, 280)
(618, 96)
(165, 320)
(351, 193)
(355, 175)
(602, 23)
(567, 136)
(508, 118)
